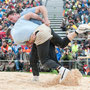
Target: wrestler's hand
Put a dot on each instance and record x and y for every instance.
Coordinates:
(47, 22)
(83, 28)
(42, 20)
(31, 40)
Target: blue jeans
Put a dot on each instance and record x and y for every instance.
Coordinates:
(19, 66)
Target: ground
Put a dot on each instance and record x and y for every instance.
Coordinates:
(23, 81)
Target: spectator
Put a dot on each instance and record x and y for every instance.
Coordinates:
(15, 48)
(4, 47)
(72, 26)
(19, 62)
(0, 27)
(2, 33)
(76, 14)
(81, 51)
(75, 50)
(64, 24)
(10, 54)
(10, 43)
(84, 18)
(67, 56)
(78, 21)
(58, 53)
(27, 51)
(1, 14)
(76, 10)
(2, 55)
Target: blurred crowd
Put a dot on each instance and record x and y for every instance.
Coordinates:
(74, 55)
(76, 12)
(16, 5)
(8, 49)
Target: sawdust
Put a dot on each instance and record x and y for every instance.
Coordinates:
(23, 81)
(73, 78)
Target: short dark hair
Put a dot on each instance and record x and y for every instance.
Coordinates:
(8, 32)
(10, 12)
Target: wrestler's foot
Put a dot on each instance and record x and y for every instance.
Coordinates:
(83, 28)
(35, 78)
(63, 72)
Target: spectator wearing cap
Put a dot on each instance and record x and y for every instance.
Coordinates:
(9, 43)
(67, 55)
(10, 54)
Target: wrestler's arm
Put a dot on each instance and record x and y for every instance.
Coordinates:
(32, 15)
(31, 40)
(43, 11)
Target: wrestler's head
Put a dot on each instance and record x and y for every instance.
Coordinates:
(13, 16)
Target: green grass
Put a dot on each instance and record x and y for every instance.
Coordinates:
(52, 72)
(55, 72)
(86, 75)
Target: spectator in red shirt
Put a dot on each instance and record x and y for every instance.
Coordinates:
(4, 47)
(2, 34)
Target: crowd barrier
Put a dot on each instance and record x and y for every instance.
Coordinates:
(71, 64)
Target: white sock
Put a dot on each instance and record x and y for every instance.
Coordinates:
(35, 78)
